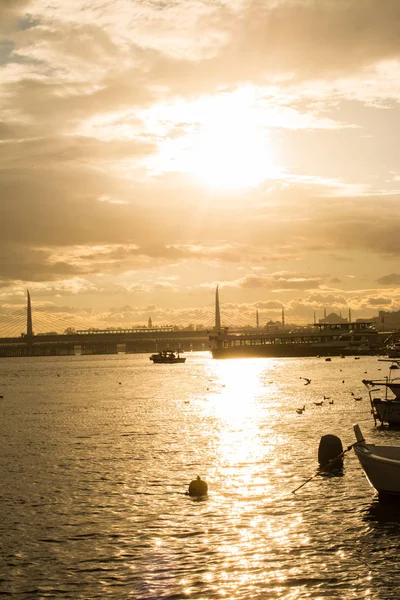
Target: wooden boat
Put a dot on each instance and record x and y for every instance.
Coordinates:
(381, 464)
(385, 408)
(169, 357)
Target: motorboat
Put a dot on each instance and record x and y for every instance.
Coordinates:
(385, 408)
(169, 357)
(381, 464)
(393, 351)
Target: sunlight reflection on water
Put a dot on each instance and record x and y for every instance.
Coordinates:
(95, 465)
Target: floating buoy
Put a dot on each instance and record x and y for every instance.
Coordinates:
(330, 447)
(198, 487)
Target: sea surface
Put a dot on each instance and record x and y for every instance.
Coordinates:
(97, 453)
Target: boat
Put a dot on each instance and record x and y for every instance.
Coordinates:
(381, 464)
(169, 357)
(385, 408)
(393, 350)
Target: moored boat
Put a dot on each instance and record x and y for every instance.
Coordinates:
(381, 464)
(393, 351)
(385, 408)
(169, 357)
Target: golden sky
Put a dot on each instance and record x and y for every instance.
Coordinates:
(151, 149)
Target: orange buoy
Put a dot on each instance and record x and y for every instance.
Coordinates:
(198, 487)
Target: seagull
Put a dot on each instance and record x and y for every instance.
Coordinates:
(307, 381)
(330, 401)
(326, 397)
(319, 403)
(301, 410)
(358, 399)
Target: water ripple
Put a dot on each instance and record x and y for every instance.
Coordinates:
(95, 475)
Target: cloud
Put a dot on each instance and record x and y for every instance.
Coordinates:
(380, 301)
(92, 94)
(276, 282)
(10, 12)
(313, 38)
(392, 279)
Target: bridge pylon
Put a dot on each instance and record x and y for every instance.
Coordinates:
(29, 326)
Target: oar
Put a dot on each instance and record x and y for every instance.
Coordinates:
(321, 470)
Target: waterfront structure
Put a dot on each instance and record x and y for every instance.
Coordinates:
(322, 339)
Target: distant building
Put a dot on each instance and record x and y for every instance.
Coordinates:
(388, 320)
(273, 326)
(150, 323)
(333, 318)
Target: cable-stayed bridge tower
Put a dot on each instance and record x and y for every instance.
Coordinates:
(217, 311)
(29, 327)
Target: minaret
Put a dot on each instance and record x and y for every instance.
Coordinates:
(315, 318)
(324, 313)
(150, 323)
(29, 329)
(217, 312)
(283, 318)
(349, 315)
(257, 320)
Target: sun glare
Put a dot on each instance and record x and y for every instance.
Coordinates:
(221, 141)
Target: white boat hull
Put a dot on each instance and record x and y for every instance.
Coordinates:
(381, 465)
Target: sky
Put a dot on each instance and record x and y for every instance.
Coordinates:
(152, 149)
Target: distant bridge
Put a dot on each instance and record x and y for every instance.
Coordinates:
(105, 341)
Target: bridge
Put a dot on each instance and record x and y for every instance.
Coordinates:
(105, 341)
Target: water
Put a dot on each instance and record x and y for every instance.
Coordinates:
(96, 454)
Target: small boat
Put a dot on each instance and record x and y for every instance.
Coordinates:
(385, 408)
(169, 357)
(393, 350)
(381, 464)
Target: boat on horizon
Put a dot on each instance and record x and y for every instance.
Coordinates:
(169, 357)
(381, 465)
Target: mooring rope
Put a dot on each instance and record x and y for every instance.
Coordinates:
(326, 467)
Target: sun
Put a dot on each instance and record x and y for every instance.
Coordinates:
(223, 142)
(229, 154)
